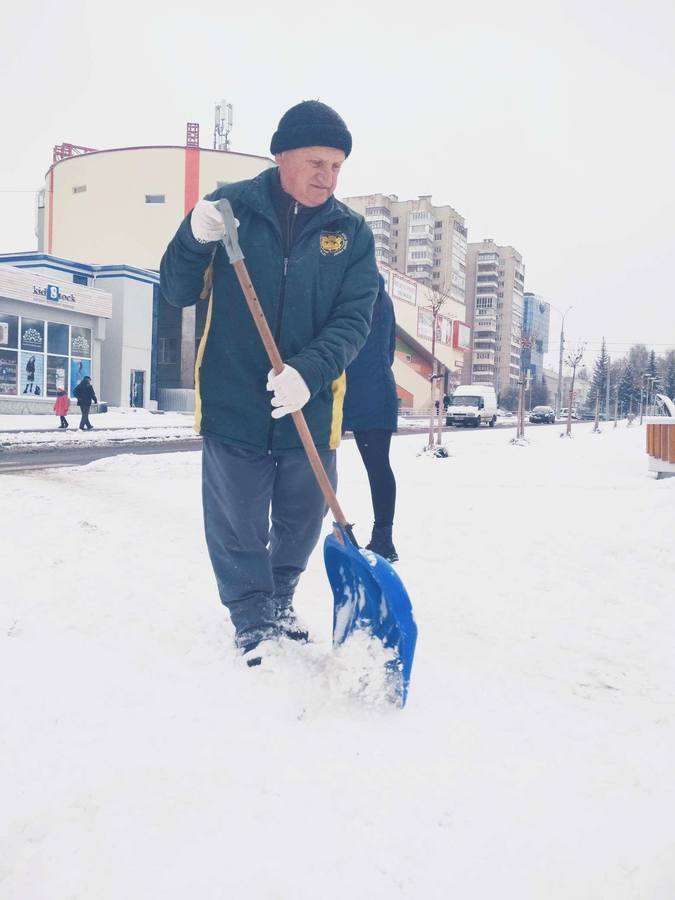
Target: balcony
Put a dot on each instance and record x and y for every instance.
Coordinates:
(379, 226)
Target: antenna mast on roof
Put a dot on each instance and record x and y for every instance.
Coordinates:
(223, 126)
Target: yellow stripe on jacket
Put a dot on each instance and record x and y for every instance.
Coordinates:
(206, 292)
(338, 387)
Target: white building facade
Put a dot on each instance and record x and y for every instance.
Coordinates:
(61, 320)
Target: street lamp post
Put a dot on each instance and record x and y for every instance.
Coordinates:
(558, 396)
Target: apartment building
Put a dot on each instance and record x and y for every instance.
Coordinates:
(536, 320)
(425, 242)
(495, 282)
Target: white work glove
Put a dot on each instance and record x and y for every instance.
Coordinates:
(206, 222)
(290, 391)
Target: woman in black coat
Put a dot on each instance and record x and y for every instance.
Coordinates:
(371, 413)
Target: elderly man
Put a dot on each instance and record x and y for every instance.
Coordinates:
(312, 262)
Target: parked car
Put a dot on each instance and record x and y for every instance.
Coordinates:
(543, 414)
(472, 404)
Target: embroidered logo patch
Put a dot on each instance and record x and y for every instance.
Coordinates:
(332, 243)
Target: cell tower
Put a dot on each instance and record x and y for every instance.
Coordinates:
(223, 126)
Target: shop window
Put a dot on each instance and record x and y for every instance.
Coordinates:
(8, 371)
(57, 339)
(80, 341)
(78, 369)
(155, 198)
(9, 331)
(32, 373)
(57, 374)
(32, 335)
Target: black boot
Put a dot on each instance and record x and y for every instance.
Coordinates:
(290, 628)
(382, 544)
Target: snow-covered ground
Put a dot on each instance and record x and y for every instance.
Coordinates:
(116, 425)
(534, 760)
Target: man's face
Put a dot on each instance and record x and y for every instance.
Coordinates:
(310, 174)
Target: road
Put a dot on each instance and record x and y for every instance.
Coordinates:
(23, 460)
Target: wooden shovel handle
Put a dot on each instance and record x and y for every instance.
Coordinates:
(278, 364)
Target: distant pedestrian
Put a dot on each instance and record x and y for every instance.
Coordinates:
(85, 397)
(61, 406)
(371, 413)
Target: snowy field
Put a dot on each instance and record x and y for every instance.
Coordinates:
(535, 758)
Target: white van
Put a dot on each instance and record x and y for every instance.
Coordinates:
(472, 404)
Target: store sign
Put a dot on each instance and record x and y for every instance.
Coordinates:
(425, 324)
(403, 289)
(444, 330)
(444, 327)
(461, 336)
(53, 292)
(29, 287)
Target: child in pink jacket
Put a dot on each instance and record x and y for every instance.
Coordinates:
(61, 406)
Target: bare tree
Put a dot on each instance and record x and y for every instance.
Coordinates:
(437, 299)
(572, 360)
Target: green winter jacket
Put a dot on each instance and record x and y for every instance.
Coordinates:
(318, 303)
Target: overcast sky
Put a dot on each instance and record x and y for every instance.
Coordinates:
(548, 125)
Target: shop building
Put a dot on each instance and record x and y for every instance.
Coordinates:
(126, 203)
(61, 320)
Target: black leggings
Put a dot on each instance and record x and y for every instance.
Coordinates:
(374, 449)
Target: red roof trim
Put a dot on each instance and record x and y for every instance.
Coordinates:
(155, 147)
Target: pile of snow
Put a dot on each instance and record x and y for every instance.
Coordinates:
(534, 758)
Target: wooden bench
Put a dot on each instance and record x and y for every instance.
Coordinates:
(661, 445)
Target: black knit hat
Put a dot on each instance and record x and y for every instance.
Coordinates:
(311, 124)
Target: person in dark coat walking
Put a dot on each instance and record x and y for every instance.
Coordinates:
(371, 413)
(312, 262)
(85, 397)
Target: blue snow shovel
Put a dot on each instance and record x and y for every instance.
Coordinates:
(367, 592)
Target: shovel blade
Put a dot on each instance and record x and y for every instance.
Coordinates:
(368, 594)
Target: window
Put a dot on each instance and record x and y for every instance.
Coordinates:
(79, 188)
(167, 351)
(395, 221)
(80, 342)
(80, 279)
(438, 224)
(57, 339)
(155, 198)
(9, 331)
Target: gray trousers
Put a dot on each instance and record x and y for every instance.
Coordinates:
(257, 567)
